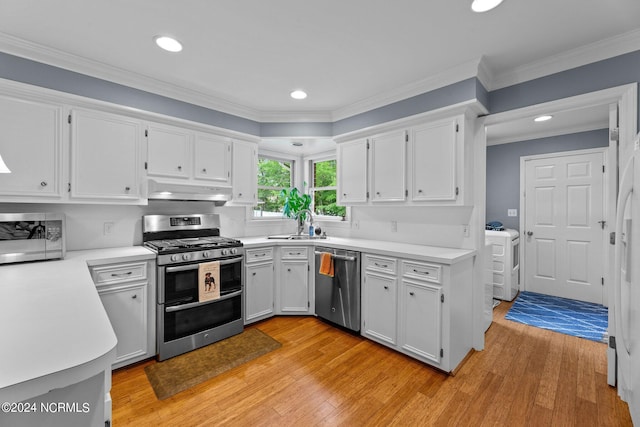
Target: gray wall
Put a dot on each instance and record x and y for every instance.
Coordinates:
(503, 169)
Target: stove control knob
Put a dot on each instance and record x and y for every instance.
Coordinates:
(234, 251)
(174, 257)
(225, 252)
(186, 257)
(206, 254)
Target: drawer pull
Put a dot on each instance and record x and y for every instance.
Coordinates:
(381, 265)
(295, 253)
(411, 293)
(43, 184)
(254, 273)
(134, 296)
(420, 272)
(386, 288)
(259, 255)
(128, 273)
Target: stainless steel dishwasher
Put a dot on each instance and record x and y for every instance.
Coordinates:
(338, 297)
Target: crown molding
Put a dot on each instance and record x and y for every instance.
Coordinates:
(295, 116)
(445, 78)
(598, 51)
(57, 58)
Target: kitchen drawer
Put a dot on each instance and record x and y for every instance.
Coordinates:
(422, 271)
(297, 252)
(119, 273)
(258, 254)
(380, 264)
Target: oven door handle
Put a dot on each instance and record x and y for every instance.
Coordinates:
(196, 265)
(196, 304)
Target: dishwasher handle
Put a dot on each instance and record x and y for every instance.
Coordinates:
(339, 257)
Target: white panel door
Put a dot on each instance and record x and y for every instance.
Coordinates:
(563, 235)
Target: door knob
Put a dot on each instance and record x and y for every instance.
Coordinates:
(529, 233)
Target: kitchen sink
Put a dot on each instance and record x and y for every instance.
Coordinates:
(296, 237)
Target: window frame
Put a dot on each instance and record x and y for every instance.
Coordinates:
(309, 162)
(280, 157)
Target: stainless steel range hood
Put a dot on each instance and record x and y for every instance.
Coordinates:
(159, 190)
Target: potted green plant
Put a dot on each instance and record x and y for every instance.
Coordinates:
(295, 205)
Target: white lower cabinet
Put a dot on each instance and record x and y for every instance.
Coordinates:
(258, 289)
(293, 284)
(127, 292)
(428, 316)
(379, 300)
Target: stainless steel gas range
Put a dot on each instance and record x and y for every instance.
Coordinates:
(200, 281)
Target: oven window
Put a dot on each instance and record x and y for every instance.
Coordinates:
(187, 322)
(181, 287)
(230, 277)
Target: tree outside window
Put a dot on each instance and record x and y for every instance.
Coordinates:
(324, 189)
(273, 176)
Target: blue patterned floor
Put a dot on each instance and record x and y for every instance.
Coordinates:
(567, 316)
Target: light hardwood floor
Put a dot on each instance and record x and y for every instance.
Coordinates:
(323, 376)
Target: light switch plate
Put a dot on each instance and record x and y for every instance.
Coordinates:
(512, 212)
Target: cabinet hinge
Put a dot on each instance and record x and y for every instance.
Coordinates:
(146, 133)
(406, 193)
(457, 190)
(308, 304)
(441, 352)
(69, 119)
(602, 168)
(367, 194)
(602, 281)
(441, 297)
(69, 187)
(228, 174)
(367, 144)
(406, 137)
(107, 423)
(457, 127)
(308, 268)
(146, 165)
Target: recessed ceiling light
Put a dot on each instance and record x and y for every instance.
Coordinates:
(484, 5)
(168, 43)
(543, 118)
(298, 94)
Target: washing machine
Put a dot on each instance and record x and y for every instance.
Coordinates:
(505, 267)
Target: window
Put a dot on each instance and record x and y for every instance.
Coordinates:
(273, 176)
(324, 189)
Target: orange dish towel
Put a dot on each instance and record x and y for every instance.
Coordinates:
(326, 264)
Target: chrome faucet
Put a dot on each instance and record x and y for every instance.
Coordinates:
(301, 223)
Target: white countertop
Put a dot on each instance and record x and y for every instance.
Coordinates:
(406, 250)
(53, 322)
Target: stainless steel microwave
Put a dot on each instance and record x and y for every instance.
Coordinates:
(31, 236)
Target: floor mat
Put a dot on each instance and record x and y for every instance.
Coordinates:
(567, 316)
(181, 372)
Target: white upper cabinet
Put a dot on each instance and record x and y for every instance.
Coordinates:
(245, 172)
(388, 172)
(212, 158)
(168, 151)
(352, 172)
(105, 156)
(31, 146)
(433, 161)
(422, 163)
(185, 154)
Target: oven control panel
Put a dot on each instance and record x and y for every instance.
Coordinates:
(185, 220)
(199, 256)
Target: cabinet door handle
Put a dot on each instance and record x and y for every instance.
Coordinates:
(419, 191)
(411, 293)
(386, 287)
(43, 184)
(204, 170)
(239, 194)
(179, 167)
(127, 188)
(344, 194)
(377, 193)
(134, 296)
(128, 273)
(254, 273)
(288, 269)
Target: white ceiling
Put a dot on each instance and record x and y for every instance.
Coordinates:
(245, 57)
